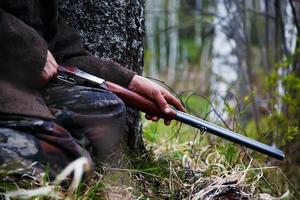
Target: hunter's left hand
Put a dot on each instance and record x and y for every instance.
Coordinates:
(159, 95)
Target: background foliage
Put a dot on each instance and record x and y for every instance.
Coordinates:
(240, 59)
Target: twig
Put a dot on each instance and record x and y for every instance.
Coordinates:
(132, 171)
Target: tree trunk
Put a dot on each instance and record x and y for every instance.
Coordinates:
(112, 29)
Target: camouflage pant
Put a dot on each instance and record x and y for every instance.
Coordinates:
(86, 118)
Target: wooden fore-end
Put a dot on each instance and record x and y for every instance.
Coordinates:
(137, 101)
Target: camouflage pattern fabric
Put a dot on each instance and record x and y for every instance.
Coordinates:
(86, 118)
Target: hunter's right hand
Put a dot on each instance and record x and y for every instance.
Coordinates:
(50, 69)
(157, 94)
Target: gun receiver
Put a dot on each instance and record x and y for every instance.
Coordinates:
(134, 100)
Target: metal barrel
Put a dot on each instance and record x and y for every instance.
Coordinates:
(229, 135)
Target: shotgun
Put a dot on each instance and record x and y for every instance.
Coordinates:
(71, 74)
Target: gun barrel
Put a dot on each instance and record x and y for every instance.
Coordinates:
(229, 135)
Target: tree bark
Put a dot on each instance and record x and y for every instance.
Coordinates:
(112, 29)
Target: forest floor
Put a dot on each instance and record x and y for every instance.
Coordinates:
(172, 169)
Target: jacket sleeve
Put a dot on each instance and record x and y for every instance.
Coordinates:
(22, 51)
(69, 50)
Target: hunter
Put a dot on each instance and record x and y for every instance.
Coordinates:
(48, 123)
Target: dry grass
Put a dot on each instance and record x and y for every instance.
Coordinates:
(199, 173)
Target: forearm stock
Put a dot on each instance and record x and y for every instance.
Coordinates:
(137, 101)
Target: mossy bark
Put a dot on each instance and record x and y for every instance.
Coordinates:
(112, 29)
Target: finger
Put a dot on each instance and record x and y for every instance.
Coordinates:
(154, 118)
(54, 65)
(44, 76)
(47, 73)
(51, 64)
(43, 79)
(147, 116)
(175, 102)
(167, 122)
(54, 71)
(162, 103)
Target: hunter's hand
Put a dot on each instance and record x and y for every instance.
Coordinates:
(50, 69)
(157, 94)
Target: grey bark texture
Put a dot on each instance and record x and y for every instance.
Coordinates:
(112, 29)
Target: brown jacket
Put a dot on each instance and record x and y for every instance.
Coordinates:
(29, 28)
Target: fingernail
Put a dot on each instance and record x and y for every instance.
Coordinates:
(167, 110)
